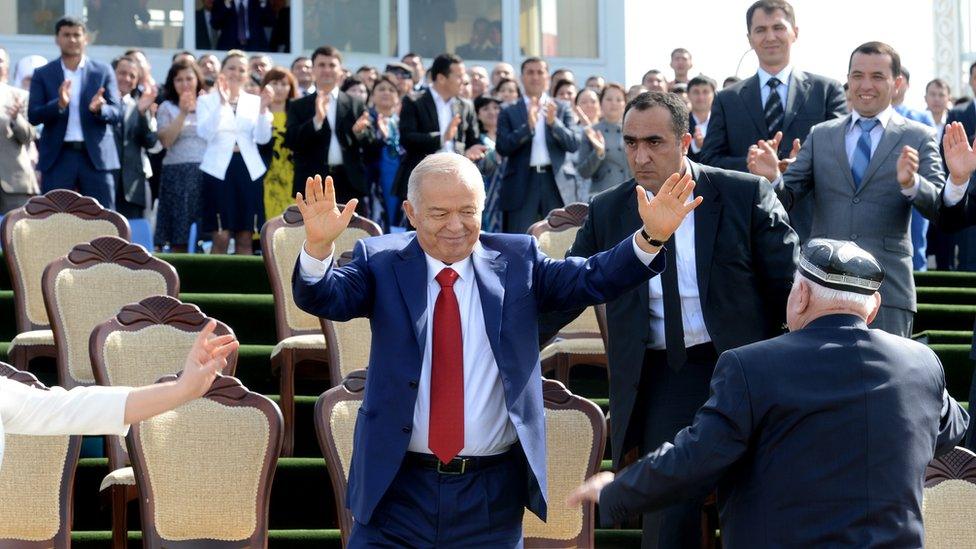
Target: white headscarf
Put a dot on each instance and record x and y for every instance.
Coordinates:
(26, 67)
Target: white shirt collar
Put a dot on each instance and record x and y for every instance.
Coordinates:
(464, 268)
(438, 100)
(81, 64)
(783, 76)
(542, 99)
(884, 117)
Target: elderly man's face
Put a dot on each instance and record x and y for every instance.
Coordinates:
(447, 217)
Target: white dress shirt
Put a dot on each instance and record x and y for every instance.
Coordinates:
(783, 89)
(692, 318)
(700, 125)
(540, 150)
(77, 77)
(25, 410)
(487, 427)
(854, 134)
(445, 113)
(335, 151)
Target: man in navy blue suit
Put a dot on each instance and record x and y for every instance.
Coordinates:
(816, 438)
(77, 100)
(450, 443)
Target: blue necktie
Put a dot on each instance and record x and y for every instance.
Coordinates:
(862, 152)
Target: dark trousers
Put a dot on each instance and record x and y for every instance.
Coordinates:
(541, 197)
(669, 400)
(74, 171)
(424, 508)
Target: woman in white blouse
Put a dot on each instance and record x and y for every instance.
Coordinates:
(234, 123)
(25, 410)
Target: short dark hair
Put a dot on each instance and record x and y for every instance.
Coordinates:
(367, 68)
(442, 65)
(533, 59)
(351, 81)
(674, 104)
(731, 80)
(133, 51)
(279, 73)
(702, 80)
(180, 53)
(327, 51)
(563, 82)
(768, 7)
(878, 48)
(649, 73)
(68, 21)
(612, 86)
(503, 81)
(169, 88)
(482, 101)
(128, 59)
(296, 60)
(939, 83)
(677, 51)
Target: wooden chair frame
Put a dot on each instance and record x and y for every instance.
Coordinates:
(41, 207)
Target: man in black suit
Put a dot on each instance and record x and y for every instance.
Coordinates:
(966, 114)
(241, 24)
(534, 133)
(701, 95)
(730, 267)
(325, 131)
(809, 443)
(437, 120)
(206, 35)
(779, 98)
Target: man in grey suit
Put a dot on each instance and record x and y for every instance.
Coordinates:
(778, 98)
(865, 172)
(18, 181)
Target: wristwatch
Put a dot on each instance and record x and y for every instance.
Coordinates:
(653, 242)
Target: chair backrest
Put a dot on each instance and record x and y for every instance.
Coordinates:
(335, 422)
(949, 502)
(44, 229)
(36, 482)
(281, 243)
(348, 345)
(556, 234)
(575, 439)
(204, 470)
(144, 342)
(89, 286)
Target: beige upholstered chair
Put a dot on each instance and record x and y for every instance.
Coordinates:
(204, 470)
(36, 483)
(949, 501)
(335, 422)
(44, 229)
(300, 337)
(89, 286)
(575, 439)
(143, 342)
(348, 344)
(580, 341)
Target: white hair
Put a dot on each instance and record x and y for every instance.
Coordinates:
(822, 294)
(447, 163)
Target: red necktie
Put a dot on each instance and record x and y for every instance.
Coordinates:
(446, 427)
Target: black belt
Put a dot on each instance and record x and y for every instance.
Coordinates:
(541, 169)
(74, 145)
(704, 352)
(458, 465)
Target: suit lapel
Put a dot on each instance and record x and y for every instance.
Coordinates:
(427, 100)
(631, 223)
(839, 142)
(752, 100)
(489, 272)
(411, 277)
(890, 138)
(706, 227)
(795, 96)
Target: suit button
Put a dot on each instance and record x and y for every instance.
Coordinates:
(854, 236)
(856, 200)
(413, 384)
(407, 429)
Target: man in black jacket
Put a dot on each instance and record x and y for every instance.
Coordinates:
(325, 131)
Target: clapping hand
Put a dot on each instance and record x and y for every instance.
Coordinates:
(97, 101)
(64, 94)
(323, 220)
(14, 107)
(383, 123)
(362, 123)
(188, 102)
(206, 359)
(267, 97)
(321, 107)
(147, 99)
(907, 167)
(699, 137)
(551, 109)
(959, 155)
(223, 89)
(451, 132)
(664, 213)
(590, 490)
(762, 159)
(597, 140)
(533, 113)
(583, 119)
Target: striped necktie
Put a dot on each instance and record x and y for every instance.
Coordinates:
(773, 111)
(862, 152)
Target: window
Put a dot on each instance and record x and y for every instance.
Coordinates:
(363, 26)
(469, 28)
(135, 23)
(30, 16)
(559, 28)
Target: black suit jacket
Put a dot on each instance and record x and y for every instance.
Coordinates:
(692, 123)
(224, 19)
(310, 147)
(809, 443)
(420, 133)
(203, 37)
(737, 122)
(745, 253)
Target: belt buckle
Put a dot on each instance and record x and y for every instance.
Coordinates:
(451, 470)
(539, 169)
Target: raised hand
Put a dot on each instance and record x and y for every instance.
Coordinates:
(533, 113)
(699, 137)
(597, 140)
(223, 89)
(188, 102)
(762, 160)
(959, 155)
(267, 97)
(590, 490)
(383, 123)
(784, 163)
(907, 167)
(664, 213)
(476, 152)
(323, 220)
(14, 107)
(64, 94)
(97, 101)
(551, 109)
(451, 132)
(362, 123)
(147, 99)
(206, 359)
(321, 107)
(583, 119)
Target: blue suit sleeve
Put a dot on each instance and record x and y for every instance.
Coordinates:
(699, 457)
(343, 293)
(510, 138)
(42, 109)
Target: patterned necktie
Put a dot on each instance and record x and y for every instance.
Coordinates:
(774, 108)
(862, 152)
(445, 436)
